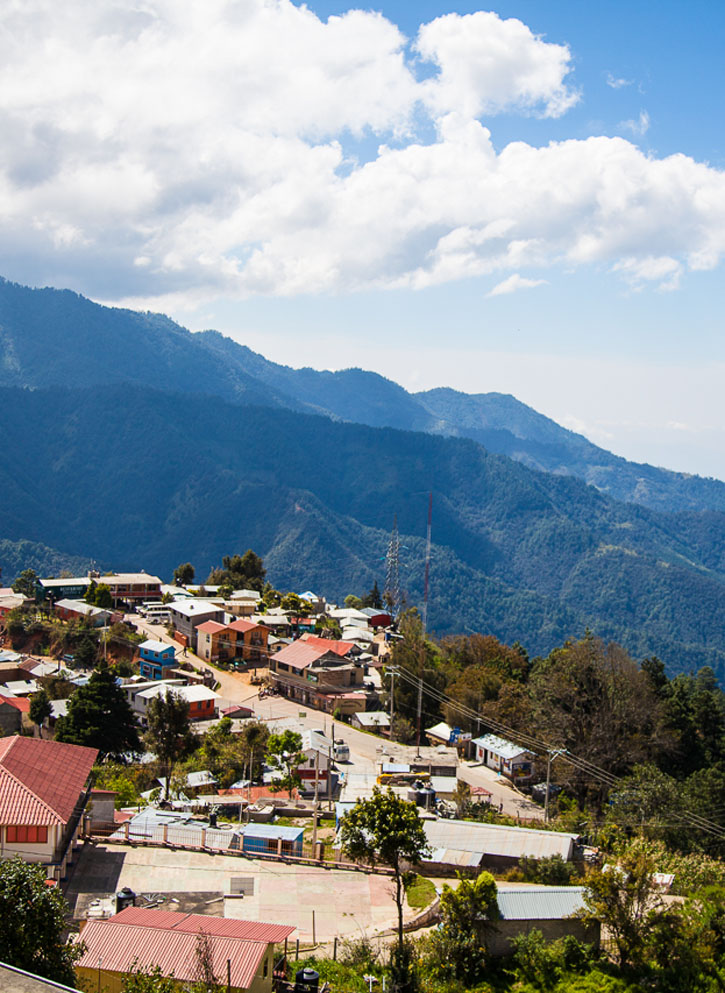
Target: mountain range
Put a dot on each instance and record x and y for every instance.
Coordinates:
(133, 442)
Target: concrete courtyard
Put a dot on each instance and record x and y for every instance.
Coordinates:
(320, 903)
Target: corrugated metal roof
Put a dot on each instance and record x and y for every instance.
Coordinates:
(340, 648)
(272, 831)
(193, 923)
(441, 730)
(119, 946)
(298, 655)
(21, 703)
(500, 746)
(545, 903)
(497, 839)
(40, 781)
(243, 626)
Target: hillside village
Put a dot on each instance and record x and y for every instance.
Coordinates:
(185, 763)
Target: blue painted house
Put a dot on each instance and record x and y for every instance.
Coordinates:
(267, 839)
(155, 657)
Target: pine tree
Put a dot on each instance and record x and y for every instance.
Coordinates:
(100, 716)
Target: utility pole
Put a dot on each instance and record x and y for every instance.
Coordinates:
(393, 672)
(420, 712)
(551, 754)
(314, 815)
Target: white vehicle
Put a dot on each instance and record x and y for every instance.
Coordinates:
(341, 752)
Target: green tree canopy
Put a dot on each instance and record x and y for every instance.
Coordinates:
(40, 708)
(169, 732)
(104, 598)
(184, 574)
(33, 923)
(99, 715)
(386, 829)
(594, 700)
(240, 572)
(26, 583)
(284, 754)
(623, 898)
(467, 913)
(373, 598)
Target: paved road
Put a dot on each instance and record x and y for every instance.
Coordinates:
(366, 750)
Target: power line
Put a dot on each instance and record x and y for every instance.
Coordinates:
(535, 744)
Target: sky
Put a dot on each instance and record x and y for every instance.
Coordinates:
(526, 198)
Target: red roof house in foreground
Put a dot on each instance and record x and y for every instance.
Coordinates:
(44, 787)
(242, 951)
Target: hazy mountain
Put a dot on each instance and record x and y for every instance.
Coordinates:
(143, 479)
(53, 337)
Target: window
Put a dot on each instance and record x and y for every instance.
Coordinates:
(24, 834)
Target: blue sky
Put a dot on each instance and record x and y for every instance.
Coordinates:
(533, 206)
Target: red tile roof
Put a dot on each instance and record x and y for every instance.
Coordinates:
(194, 923)
(328, 644)
(211, 627)
(20, 703)
(40, 781)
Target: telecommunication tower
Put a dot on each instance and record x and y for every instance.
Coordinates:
(392, 571)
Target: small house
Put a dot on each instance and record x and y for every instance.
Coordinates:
(372, 720)
(272, 839)
(154, 658)
(506, 757)
(242, 952)
(44, 788)
(12, 709)
(549, 909)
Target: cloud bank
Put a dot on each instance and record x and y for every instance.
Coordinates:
(166, 152)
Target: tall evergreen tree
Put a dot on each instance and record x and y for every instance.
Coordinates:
(40, 707)
(169, 732)
(100, 716)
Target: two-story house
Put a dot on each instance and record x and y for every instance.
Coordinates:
(44, 789)
(241, 640)
(202, 701)
(187, 615)
(320, 675)
(156, 658)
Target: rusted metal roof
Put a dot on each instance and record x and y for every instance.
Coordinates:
(41, 781)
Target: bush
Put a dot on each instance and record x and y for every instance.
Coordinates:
(551, 871)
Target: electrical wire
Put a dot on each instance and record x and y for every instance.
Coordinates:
(535, 744)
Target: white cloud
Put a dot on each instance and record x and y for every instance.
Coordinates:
(513, 283)
(617, 82)
(663, 270)
(172, 152)
(637, 127)
(487, 64)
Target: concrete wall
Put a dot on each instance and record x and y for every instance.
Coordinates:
(10, 719)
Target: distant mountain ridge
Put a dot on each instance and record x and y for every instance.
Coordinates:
(56, 337)
(141, 478)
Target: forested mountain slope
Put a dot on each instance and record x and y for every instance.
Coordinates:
(144, 479)
(51, 337)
